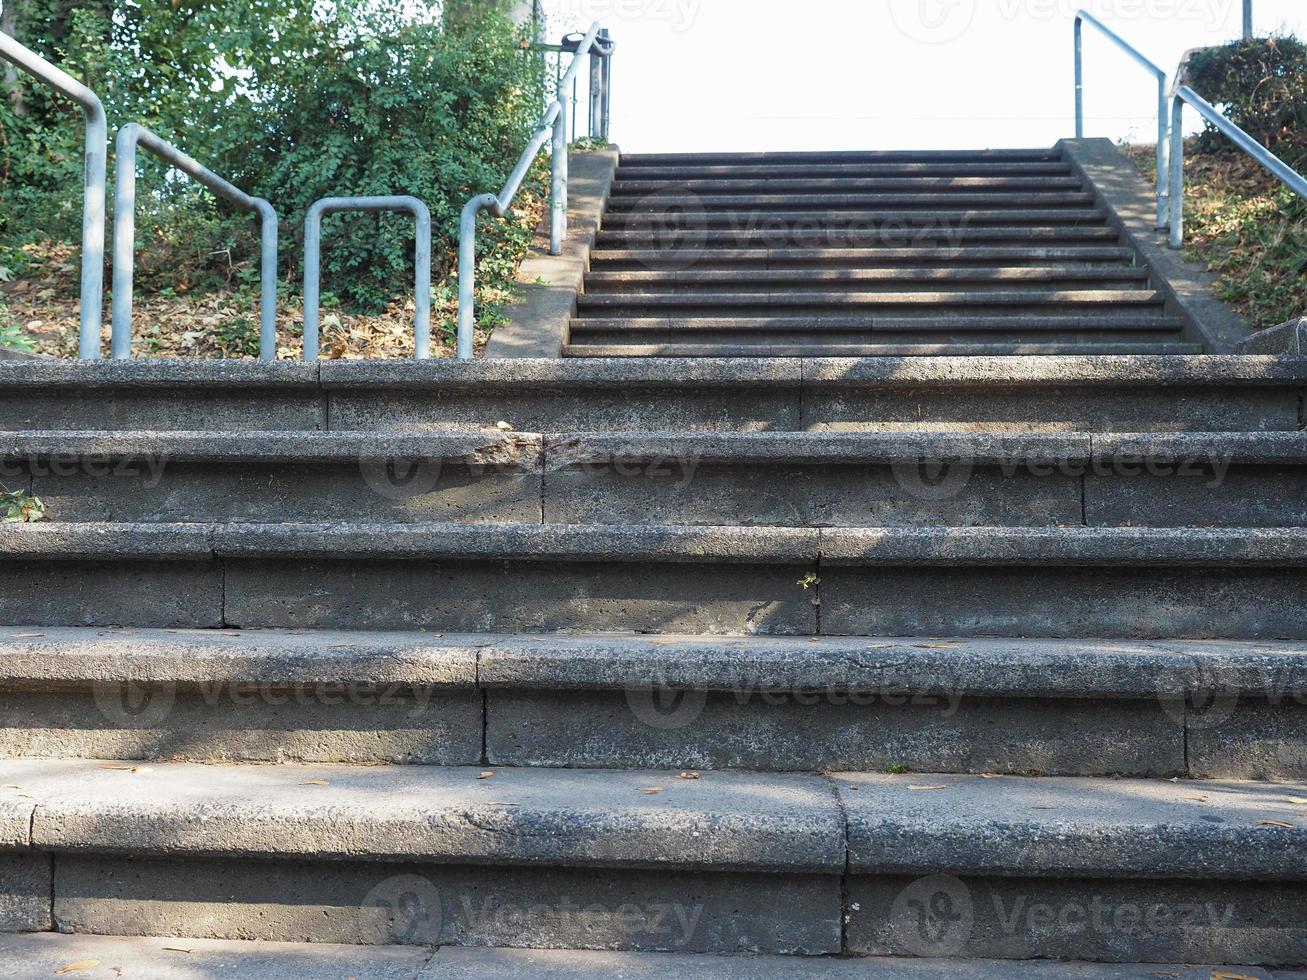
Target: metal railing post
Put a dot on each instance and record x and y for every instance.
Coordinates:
(124, 234)
(421, 276)
(558, 186)
(1163, 127)
(596, 91)
(1247, 20)
(607, 84)
(93, 186)
(1295, 181)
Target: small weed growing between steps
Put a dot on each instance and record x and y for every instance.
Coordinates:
(19, 507)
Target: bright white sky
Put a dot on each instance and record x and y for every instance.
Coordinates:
(890, 74)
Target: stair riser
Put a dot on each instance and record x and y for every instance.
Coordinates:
(690, 243)
(626, 189)
(668, 217)
(809, 350)
(928, 728)
(682, 488)
(631, 206)
(679, 174)
(1017, 155)
(825, 280)
(766, 342)
(801, 259)
(449, 905)
(700, 598)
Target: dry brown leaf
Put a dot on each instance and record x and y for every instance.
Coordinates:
(486, 775)
(1279, 824)
(503, 427)
(25, 636)
(650, 790)
(934, 646)
(688, 775)
(315, 782)
(79, 965)
(923, 788)
(1198, 799)
(991, 775)
(122, 768)
(1297, 801)
(1225, 975)
(178, 949)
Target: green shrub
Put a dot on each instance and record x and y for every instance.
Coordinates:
(1262, 86)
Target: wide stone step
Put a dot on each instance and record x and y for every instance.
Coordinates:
(693, 171)
(798, 187)
(812, 479)
(41, 954)
(627, 206)
(885, 278)
(1035, 155)
(1197, 709)
(858, 258)
(1085, 390)
(648, 860)
(938, 302)
(951, 321)
(614, 349)
(891, 234)
(1236, 583)
(666, 217)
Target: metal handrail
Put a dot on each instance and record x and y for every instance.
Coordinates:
(124, 234)
(93, 186)
(555, 120)
(421, 258)
(1163, 172)
(1183, 93)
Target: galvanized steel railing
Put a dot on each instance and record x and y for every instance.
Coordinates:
(422, 260)
(594, 43)
(1183, 93)
(124, 234)
(1163, 180)
(93, 186)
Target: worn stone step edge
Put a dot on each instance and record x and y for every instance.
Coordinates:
(661, 544)
(998, 274)
(530, 451)
(54, 658)
(1024, 154)
(1126, 370)
(960, 297)
(818, 324)
(726, 822)
(157, 958)
(835, 351)
(701, 218)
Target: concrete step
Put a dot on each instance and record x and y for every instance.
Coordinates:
(1135, 583)
(861, 258)
(1196, 709)
(633, 204)
(808, 349)
(665, 216)
(695, 171)
(1037, 155)
(812, 479)
(1085, 391)
(646, 860)
(1123, 277)
(894, 234)
(798, 188)
(41, 954)
(954, 321)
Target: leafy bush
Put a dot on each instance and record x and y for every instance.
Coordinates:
(1262, 86)
(291, 103)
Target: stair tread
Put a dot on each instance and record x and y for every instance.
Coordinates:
(893, 274)
(891, 351)
(43, 954)
(724, 820)
(742, 297)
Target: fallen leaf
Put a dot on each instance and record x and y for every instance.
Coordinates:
(315, 782)
(503, 427)
(1197, 799)
(1163, 973)
(1280, 824)
(486, 775)
(935, 646)
(926, 787)
(688, 775)
(1297, 801)
(28, 636)
(79, 965)
(664, 643)
(178, 949)
(991, 775)
(1223, 975)
(650, 790)
(111, 765)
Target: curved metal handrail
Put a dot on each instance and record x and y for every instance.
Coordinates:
(124, 234)
(93, 186)
(555, 120)
(421, 260)
(1183, 93)
(1163, 172)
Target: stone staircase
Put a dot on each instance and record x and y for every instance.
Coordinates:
(855, 254)
(812, 658)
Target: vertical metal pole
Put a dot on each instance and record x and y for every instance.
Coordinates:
(312, 280)
(1177, 173)
(1247, 20)
(124, 243)
(467, 270)
(268, 273)
(1080, 79)
(92, 300)
(596, 90)
(422, 286)
(558, 189)
(1163, 155)
(608, 87)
